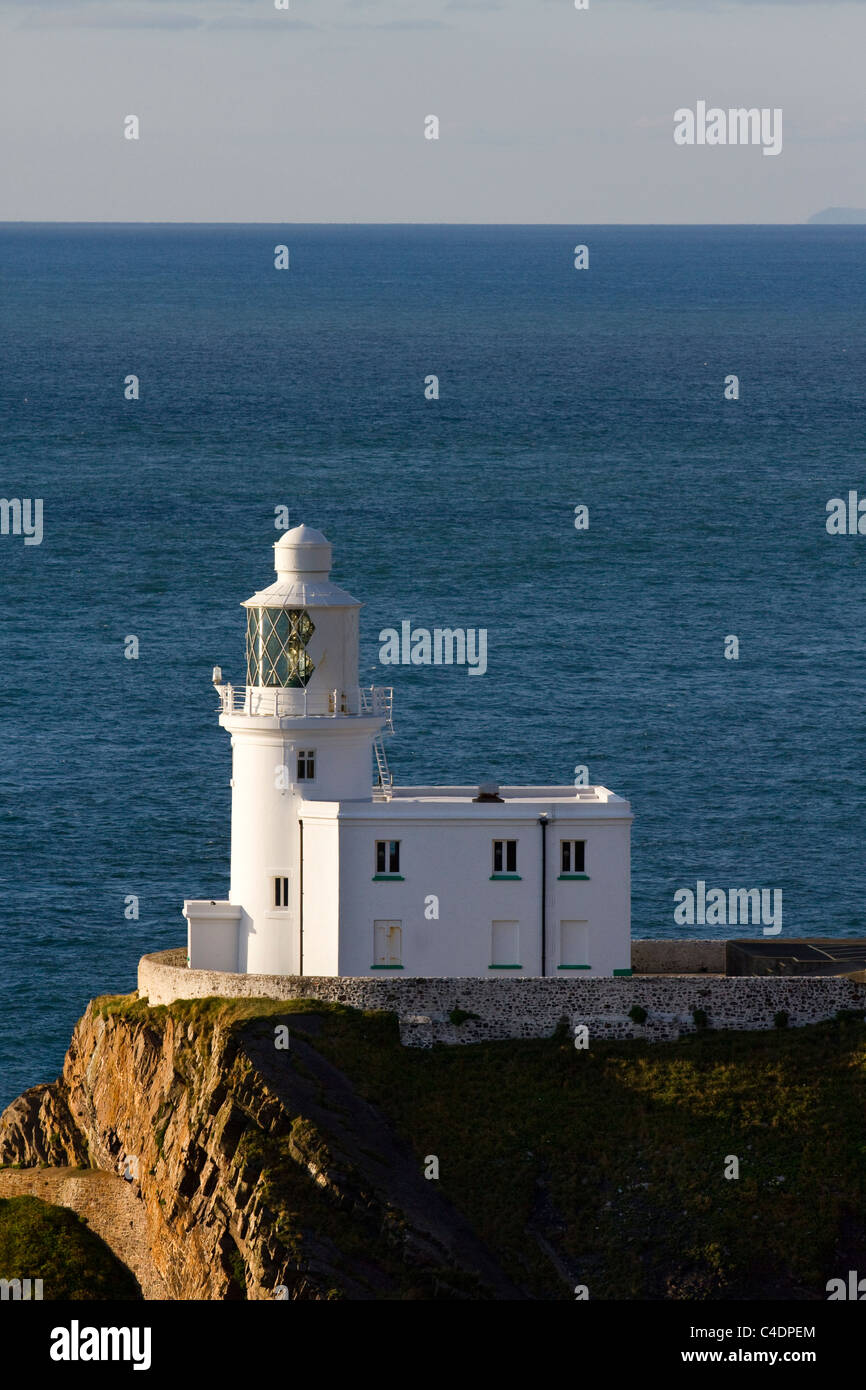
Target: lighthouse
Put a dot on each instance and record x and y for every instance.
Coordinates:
(335, 871)
(302, 730)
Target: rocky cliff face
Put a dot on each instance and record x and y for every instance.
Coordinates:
(262, 1173)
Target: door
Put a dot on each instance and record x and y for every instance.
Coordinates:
(387, 943)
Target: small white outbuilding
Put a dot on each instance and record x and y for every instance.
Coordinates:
(333, 875)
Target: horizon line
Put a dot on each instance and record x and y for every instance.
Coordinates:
(181, 222)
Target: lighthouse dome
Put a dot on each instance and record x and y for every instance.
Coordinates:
(303, 551)
(302, 559)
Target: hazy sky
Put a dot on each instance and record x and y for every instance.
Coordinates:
(548, 114)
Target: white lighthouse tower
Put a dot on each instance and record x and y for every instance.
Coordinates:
(332, 875)
(301, 730)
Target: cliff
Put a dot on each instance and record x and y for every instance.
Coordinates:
(344, 1165)
(259, 1169)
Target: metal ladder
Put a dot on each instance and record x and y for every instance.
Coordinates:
(382, 790)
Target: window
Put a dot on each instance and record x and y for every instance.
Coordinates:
(281, 892)
(505, 856)
(573, 945)
(573, 856)
(387, 857)
(306, 765)
(504, 946)
(276, 646)
(387, 945)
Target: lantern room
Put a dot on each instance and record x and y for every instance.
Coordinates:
(302, 631)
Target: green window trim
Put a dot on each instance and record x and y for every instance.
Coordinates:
(574, 967)
(625, 973)
(386, 967)
(388, 878)
(505, 967)
(573, 876)
(497, 877)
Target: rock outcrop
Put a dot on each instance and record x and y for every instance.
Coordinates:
(262, 1173)
(37, 1128)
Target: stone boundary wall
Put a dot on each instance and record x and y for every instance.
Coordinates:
(527, 1008)
(689, 956)
(108, 1204)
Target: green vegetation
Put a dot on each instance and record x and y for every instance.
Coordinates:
(237, 1268)
(615, 1156)
(163, 1120)
(602, 1166)
(700, 1018)
(458, 1016)
(212, 1012)
(40, 1241)
(637, 1014)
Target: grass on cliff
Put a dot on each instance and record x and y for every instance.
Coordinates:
(606, 1167)
(211, 1012)
(41, 1241)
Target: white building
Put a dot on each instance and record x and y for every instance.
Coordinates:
(331, 875)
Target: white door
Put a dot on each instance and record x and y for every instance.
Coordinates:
(387, 943)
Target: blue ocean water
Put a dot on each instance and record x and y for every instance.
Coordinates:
(306, 388)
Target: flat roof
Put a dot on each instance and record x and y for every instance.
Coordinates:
(530, 795)
(517, 803)
(804, 948)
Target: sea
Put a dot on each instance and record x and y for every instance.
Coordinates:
(307, 389)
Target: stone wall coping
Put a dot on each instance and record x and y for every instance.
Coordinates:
(529, 1007)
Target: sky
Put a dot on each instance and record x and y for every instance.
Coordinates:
(546, 114)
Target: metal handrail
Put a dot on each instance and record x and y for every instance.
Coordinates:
(280, 701)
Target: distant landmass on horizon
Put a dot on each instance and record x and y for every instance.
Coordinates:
(849, 215)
